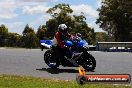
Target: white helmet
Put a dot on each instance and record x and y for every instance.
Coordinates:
(78, 34)
(62, 28)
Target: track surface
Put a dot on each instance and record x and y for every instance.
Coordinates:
(29, 62)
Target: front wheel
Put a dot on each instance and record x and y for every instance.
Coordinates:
(50, 60)
(88, 62)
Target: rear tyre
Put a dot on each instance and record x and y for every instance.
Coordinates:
(50, 60)
(88, 62)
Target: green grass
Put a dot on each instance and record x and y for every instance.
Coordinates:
(13, 81)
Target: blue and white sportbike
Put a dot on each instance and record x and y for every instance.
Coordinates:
(77, 54)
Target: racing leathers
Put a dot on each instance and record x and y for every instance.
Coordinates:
(58, 43)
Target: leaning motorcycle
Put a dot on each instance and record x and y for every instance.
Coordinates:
(76, 55)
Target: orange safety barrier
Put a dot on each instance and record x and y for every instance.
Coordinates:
(82, 71)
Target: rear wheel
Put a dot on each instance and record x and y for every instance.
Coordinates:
(88, 62)
(50, 60)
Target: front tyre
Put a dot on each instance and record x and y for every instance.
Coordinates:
(88, 62)
(50, 60)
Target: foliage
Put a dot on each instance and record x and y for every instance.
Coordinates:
(3, 34)
(115, 17)
(41, 33)
(29, 38)
(101, 37)
(13, 40)
(62, 13)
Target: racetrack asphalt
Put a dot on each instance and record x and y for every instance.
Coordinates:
(29, 62)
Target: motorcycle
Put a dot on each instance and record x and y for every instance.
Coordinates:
(76, 55)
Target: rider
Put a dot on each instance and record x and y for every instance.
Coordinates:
(58, 41)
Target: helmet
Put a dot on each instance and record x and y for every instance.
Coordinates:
(62, 28)
(78, 34)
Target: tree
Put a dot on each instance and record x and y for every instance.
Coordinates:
(14, 40)
(29, 38)
(27, 29)
(3, 34)
(75, 23)
(58, 18)
(101, 37)
(115, 17)
(41, 33)
(81, 26)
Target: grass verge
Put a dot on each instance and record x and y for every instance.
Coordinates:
(14, 81)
